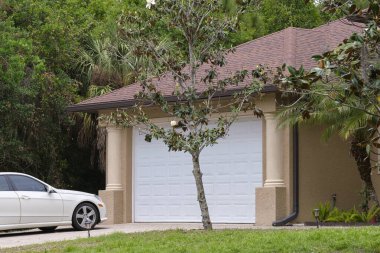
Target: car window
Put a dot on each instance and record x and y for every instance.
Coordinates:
(4, 184)
(23, 183)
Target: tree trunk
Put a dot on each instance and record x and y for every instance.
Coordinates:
(201, 194)
(363, 163)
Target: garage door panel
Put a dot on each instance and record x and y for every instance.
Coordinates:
(160, 190)
(173, 210)
(174, 172)
(190, 209)
(144, 190)
(164, 187)
(174, 189)
(188, 190)
(222, 189)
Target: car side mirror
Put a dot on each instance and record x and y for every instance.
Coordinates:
(50, 189)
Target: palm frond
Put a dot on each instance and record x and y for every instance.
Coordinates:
(337, 117)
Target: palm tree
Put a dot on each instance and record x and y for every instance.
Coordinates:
(89, 133)
(100, 64)
(349, 122)
(117, 63)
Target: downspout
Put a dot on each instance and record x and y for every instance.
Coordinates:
(294, 214)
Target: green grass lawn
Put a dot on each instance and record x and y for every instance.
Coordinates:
(322, 240)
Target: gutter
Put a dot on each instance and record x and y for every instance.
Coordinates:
(294, 214)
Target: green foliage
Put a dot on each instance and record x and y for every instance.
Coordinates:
(39, 45)
(117, 62)
(333, 214)
(280, 14)
(314, 108)
(54, 29)
(372, 213)
(324, 211)
(267, 16)
(350, 216)
(32, 109)
(250, 24)
(59, 28)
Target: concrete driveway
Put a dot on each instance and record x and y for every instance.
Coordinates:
(35, 236)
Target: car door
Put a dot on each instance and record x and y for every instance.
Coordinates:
(9, 204)
(37, 204)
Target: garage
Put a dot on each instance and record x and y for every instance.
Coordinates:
(164, 187)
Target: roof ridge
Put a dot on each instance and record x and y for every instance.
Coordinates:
(290, 27)
(259, 38)
(333, 21)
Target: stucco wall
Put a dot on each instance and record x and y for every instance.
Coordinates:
(325, 168)
(376, 176)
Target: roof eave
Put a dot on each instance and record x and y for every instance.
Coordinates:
(95, 107)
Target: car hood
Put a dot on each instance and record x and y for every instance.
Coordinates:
(62, 191)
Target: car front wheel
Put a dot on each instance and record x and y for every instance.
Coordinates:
(85, 214)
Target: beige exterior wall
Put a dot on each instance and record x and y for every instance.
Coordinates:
(376, 181)
(375, 174)
(325, 168)
(113, 199)
(270, 204)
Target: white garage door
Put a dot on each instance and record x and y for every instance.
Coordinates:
(164, 187)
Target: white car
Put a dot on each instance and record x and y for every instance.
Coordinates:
(26, 202)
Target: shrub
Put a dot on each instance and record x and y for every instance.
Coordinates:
(324, 210)
(329, 214)
(370, 215)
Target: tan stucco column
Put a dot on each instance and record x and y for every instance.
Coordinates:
(274, 147)
(113, 195)
(271, 200)
(114, 158)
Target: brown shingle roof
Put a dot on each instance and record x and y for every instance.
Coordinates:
(293, 46)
